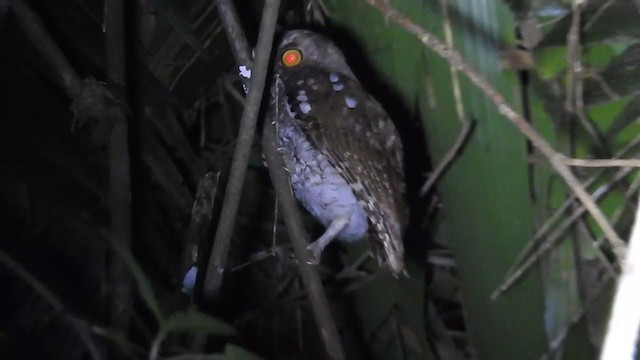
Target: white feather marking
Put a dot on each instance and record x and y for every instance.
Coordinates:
(305, 107)
(351, 102)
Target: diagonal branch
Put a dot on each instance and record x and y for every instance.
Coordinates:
(556, 159)
(33, 26)
(224, 232)
(79, 325)
(297, 234)
(300, 241)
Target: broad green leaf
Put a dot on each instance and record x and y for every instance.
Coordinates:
(194, 321)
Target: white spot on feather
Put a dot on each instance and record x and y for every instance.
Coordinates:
(305, 107)
(333, 77)
(351, 102)
(337, 87)
(302, 97)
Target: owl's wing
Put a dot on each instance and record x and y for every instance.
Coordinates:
(359, 139)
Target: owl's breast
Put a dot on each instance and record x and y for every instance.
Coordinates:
(318, 185)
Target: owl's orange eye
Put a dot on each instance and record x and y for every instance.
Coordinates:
(291, 57)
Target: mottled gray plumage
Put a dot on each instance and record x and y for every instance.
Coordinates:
(341, 149)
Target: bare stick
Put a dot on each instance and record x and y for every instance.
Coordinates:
(313, 285)
(119, 171)
(603, 162)
(551, 239)
(300, 241)
(448, 158)
(556, 159)
(224, 232)
(561, 211)
(464, 123)
(235, 32)
(574, 103)
(622, 331)
(35, 30)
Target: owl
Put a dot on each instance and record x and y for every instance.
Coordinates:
(341, 149)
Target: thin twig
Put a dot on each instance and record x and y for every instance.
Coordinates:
(466, 127)
(560, 212)
(540, 143)
(35, 30)
(79, 325)
(510, 276)
(210, 35)
(119, 171)
(224, 232)
(624, 324)
(574, 103)
(300, 241)
(603, 162)
(448, 158)
(235, 34)
(551, 239)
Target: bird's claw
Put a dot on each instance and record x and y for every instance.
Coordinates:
(314, 254)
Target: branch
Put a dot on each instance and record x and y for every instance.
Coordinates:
(465, 125)
(235, 34)
(119, 171)
(224, 232)
(300, 241)
(32, 25)
(603, 162)
(555, 159)
(622, 331)
(541, 232)
(518, 269)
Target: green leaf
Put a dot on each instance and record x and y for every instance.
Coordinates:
(142, 281)
(619, 79)
(194, 321)
(235, 352)
(550, 61)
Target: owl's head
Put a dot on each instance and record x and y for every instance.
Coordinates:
(307, 48)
